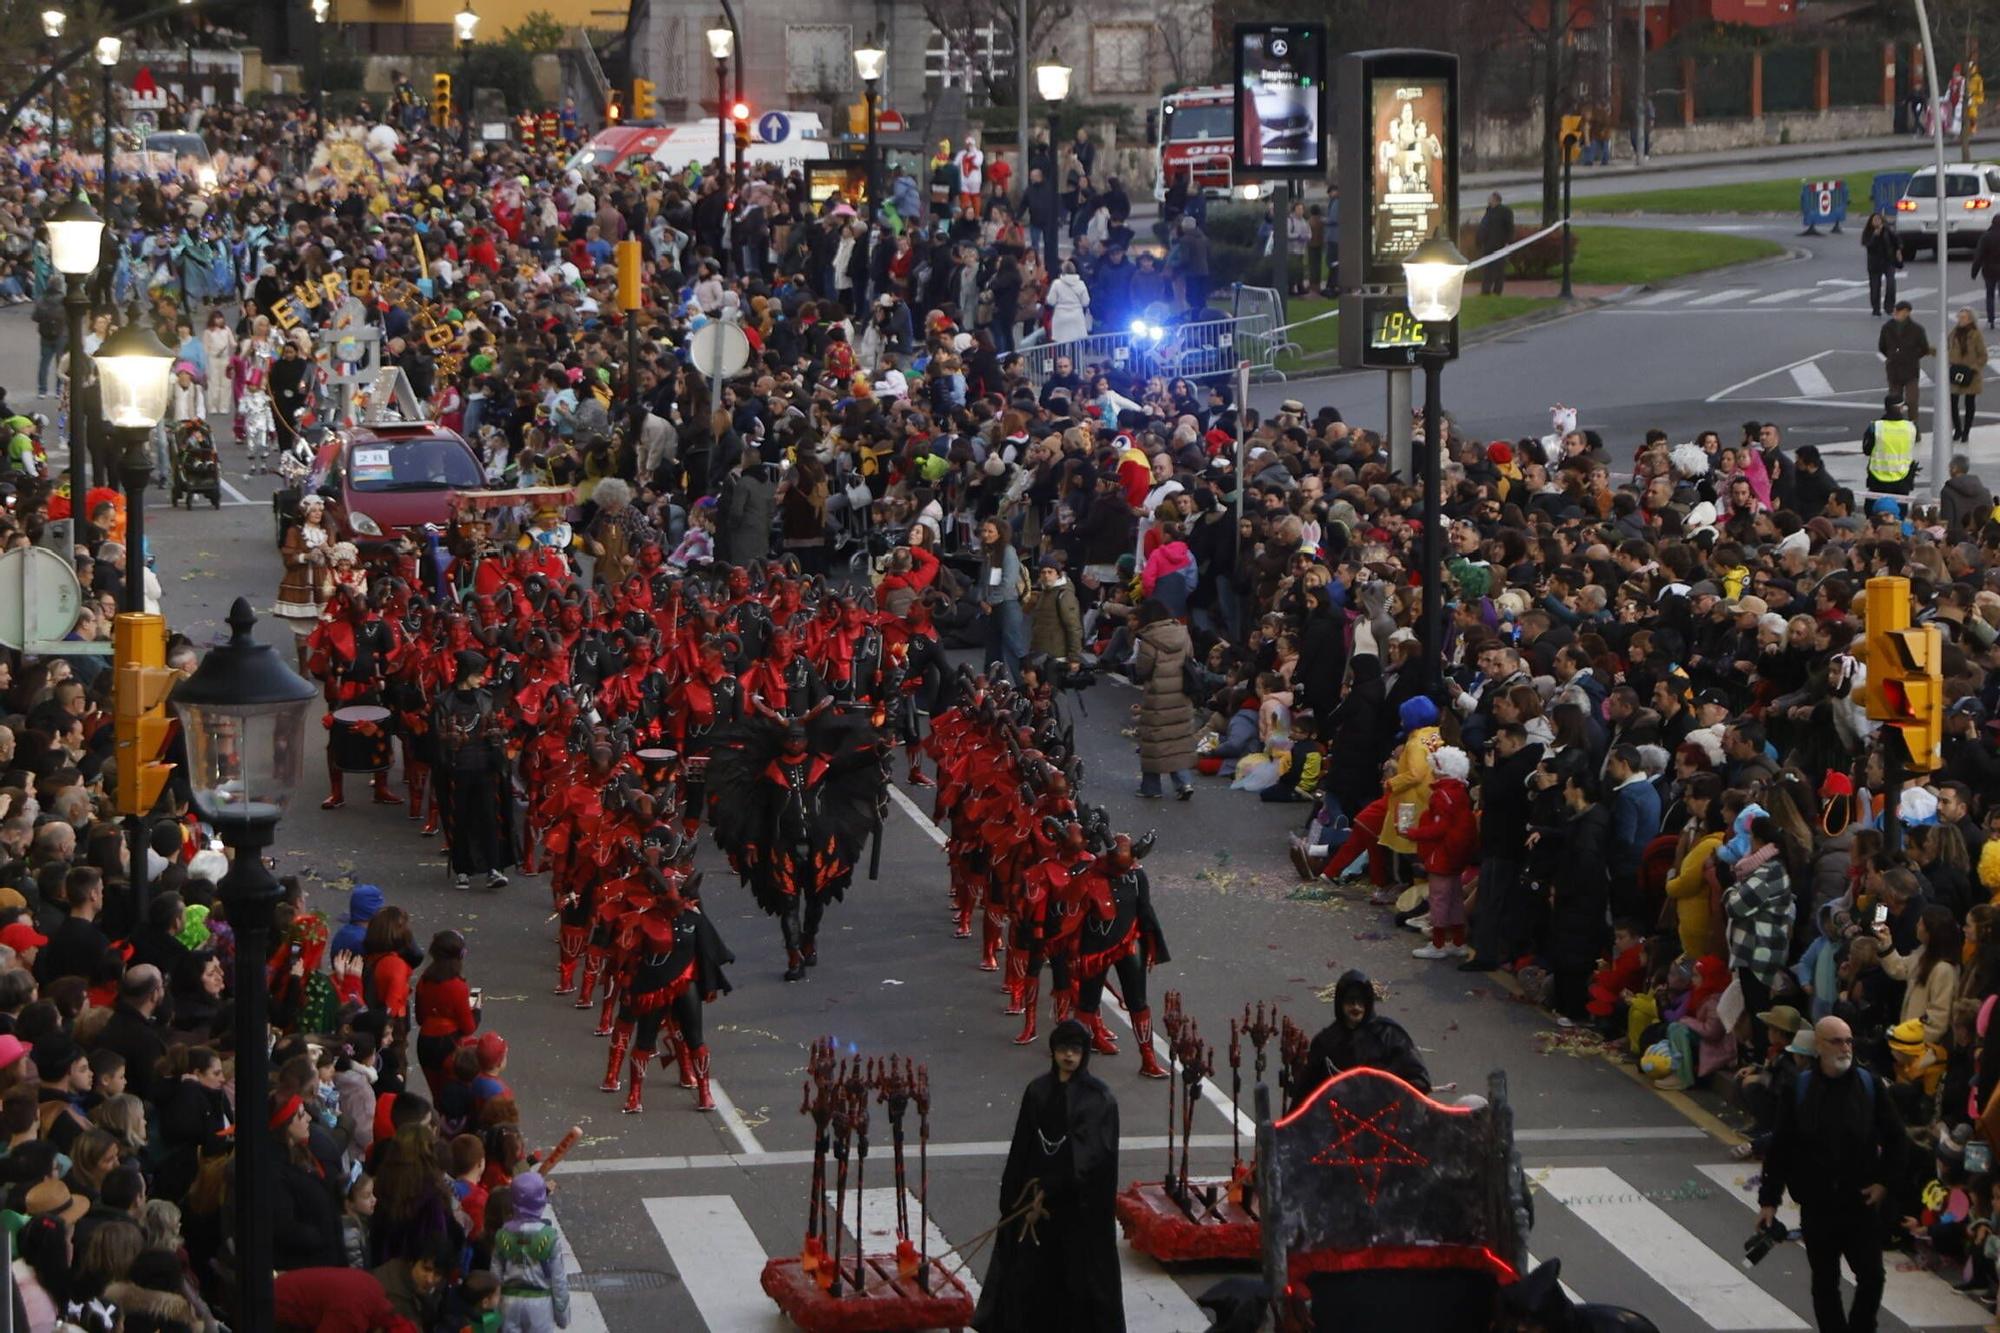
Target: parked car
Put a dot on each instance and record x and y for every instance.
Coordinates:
(1971, 193)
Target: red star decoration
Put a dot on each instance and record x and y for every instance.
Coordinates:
(1378, 1129)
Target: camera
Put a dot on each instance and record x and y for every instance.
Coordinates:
(1082, 678)
(1763, 1240)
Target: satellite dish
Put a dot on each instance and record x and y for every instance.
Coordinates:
(716, 343)
(39, 597)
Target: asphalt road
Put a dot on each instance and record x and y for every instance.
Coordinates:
(670, 1215)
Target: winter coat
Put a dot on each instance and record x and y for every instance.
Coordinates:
(744, 532)
(1069, 309)
(1410, 785)
(1446, 834)
(1505, 801)
(1967, 347)
(1635, 821)
(1903, 345)
(1055, 624)
(1170, 575)
(1687, 889)
(1929, 999)
(1577, 930)
(1375, 1042)
(1759, 908)
(1966, 503)
(1166, 714)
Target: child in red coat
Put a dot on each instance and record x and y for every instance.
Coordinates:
(1624, 974)
(1447, 841)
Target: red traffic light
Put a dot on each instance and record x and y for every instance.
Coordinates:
(739, 111)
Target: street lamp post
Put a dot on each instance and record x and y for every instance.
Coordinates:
(721, 42)
(321, 9)
(465, 22)
(53, 22)
(243, 714)
(1435, 274)
(868, 62)
(135, 381)
(75, 233)
(1052, 81)
(108, 51)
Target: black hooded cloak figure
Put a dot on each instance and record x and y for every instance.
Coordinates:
(1059, 1274)
(470, 775)
(1362, 1039)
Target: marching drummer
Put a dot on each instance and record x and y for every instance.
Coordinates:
(351, 653)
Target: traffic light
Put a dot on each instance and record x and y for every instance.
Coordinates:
(613, 112)
(740, 113)
(643, 105)
(1572, 137)
(143, 725)
(1905, 673)
(440, 99)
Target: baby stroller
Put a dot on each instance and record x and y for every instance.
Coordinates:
(196, 469)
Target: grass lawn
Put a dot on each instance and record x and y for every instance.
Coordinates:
(1609, 256)
(1772, 196)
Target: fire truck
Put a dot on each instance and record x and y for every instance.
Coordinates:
(1197, 134)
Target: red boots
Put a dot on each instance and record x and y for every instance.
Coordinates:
(336, 793)
(684, 1053)
(569, 952)
(639, 1061)
(1031, 1003)
(593, 968)
(703, 1100)
(1017, 977)
(383, 796)
(621, 1041)
(989, 944)
(1142, 1032)
(1100, 1036)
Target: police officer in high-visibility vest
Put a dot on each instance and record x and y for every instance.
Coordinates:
(1891, 446)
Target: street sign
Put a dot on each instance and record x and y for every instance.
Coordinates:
(774, 127)
(40, 598)
(718, 351)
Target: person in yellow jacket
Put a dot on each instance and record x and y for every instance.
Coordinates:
(1687, 887)
(1386, 821)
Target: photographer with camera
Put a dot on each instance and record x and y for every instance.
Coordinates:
(1055, 625)
(1836, 1144)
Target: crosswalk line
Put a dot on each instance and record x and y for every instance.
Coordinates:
(720, 1262)
(1921, 1300)
(878, 1228)
(1713, 1288)
(1659, 298)
(1811, 380)
(1569, 1291)
(1154, 1302)
(1789, 294)
(1839, 295)
(585, 1315)
(1726, 294)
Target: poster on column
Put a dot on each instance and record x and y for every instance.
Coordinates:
(1398, 121)
(1280, 91)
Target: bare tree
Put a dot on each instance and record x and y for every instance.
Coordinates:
(1186, 35)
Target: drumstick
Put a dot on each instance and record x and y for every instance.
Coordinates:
(561, 1150)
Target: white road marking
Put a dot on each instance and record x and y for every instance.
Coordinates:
(1788, 294)
(878, 1228)
(1154, 1302)
(1720, 394)
(1835, 298)
(608, 1166)
(1726, 294)
(585, 1315)
(1716, 1290)
(1921, 1300)
(1659, 298)
(746, 1138)
(1569, 1291)
(235, 496)
(1811, 379)
(720, 1262)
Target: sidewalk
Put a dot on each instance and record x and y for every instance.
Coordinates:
(1666, 165)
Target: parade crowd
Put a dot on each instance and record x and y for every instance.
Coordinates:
(1643, 782)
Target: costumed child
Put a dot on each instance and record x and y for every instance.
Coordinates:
(1699, 1040)
(259, 426)
(528, 1262)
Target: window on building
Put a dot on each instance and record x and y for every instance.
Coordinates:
(819, 58)
(1121, 58)
(987, 59)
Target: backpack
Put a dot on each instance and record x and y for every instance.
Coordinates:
(1805, 1077)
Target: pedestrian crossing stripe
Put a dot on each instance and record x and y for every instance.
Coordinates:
(1919, 1299)
(585, 1315)
(1715, 1290)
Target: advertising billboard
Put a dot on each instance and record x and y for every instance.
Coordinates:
(1280, 99)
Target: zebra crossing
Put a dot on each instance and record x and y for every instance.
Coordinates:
(1836, 295)
(1661, 1236)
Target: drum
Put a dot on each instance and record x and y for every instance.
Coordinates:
(358, 741)
(656, 762)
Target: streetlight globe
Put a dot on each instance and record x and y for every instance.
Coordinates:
(464, 22)
(1435, 274)
(321, 9)
(53, 22)
(243, 712)
(137, 372)
(868, 62)
(74, 234)
(1052, 79)
(721, 41)
(109, 49)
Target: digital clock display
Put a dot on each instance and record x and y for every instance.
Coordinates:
(1390, 328)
